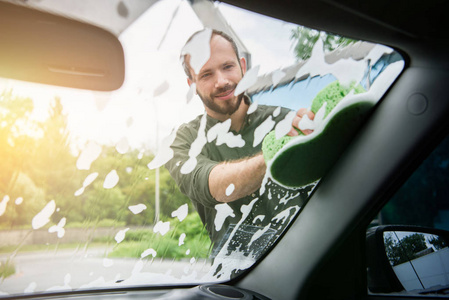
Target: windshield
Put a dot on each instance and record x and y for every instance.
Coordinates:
(154, 183)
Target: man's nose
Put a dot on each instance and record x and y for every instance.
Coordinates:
(221, 80)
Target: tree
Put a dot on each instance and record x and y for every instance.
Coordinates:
(304, 40)
(26, 200)
(438, 242)
(405, 249)
(15, 141)
(52, 167)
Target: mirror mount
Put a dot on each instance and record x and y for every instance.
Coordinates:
(381, 277)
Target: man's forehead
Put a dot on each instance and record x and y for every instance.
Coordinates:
(198, 51)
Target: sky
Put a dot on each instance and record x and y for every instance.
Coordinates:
(152, 64)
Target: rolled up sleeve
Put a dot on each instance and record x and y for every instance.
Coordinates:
(195, 184)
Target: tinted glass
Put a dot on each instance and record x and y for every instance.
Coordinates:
(416, 259)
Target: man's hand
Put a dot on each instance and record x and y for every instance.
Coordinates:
(299, 115)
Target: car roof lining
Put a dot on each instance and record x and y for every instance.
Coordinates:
(405, 26)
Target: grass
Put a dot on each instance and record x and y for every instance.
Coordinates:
(196, 243)
(165, 247)
(7, 269)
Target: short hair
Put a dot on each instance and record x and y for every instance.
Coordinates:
(186, 65)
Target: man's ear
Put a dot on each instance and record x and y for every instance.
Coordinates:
(189, 81)
(243, 65)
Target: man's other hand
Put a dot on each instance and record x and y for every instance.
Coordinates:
(299, 115)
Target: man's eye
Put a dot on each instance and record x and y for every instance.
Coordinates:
(227, 67)
(205, 75)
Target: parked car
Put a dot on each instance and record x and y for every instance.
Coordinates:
(85, 210)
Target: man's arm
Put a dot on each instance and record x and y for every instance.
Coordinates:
(246, 175)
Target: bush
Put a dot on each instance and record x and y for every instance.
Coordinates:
(99, 223)
(196, 242)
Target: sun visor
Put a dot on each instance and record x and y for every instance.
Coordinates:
(44, 48)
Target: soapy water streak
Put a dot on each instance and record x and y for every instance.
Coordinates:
(122, 146)
(230, 189)
(182, 237)
(224, 265)
(89, 154)
(283, 127)
(181, 212)
(221, 133)
(284, 200)
(59, 229)
(3, 204)
(165, 153)
(111, 180)
(284, 215)
(307, 124)
(199, 50)
(89, 179)
(252, 108)
(258, 234)
(248, 80)
(277, 76)
(138, 208)
(195, 148)
(262, 130)
(120, 236)
(43, 217)
(161, 227)
(259, 218)
(223, 211)
(147, 252)
(345, 70)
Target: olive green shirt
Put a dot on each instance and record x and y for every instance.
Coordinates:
(191, 140)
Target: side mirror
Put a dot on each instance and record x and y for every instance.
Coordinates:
(44, 48)
(407, 258)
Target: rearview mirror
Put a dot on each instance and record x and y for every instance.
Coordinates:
(408, 258)
(44, 48)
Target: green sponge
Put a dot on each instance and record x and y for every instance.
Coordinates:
(271, 145)
(301, 160)
(332, 94)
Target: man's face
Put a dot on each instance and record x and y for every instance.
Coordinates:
(218, 78)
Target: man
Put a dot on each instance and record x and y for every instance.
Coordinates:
(223, 173)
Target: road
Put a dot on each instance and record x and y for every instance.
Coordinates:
(72, 269)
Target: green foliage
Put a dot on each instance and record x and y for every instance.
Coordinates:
(39, 165)
(304, 40)
(14, 141)
(7, 269)
(196, 242)
(438, 242)
(96, 223)
(33, 200)
(404, 250)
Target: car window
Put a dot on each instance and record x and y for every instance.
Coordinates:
(410, 234)
(110, 189)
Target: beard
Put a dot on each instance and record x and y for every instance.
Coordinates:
(227, 107)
